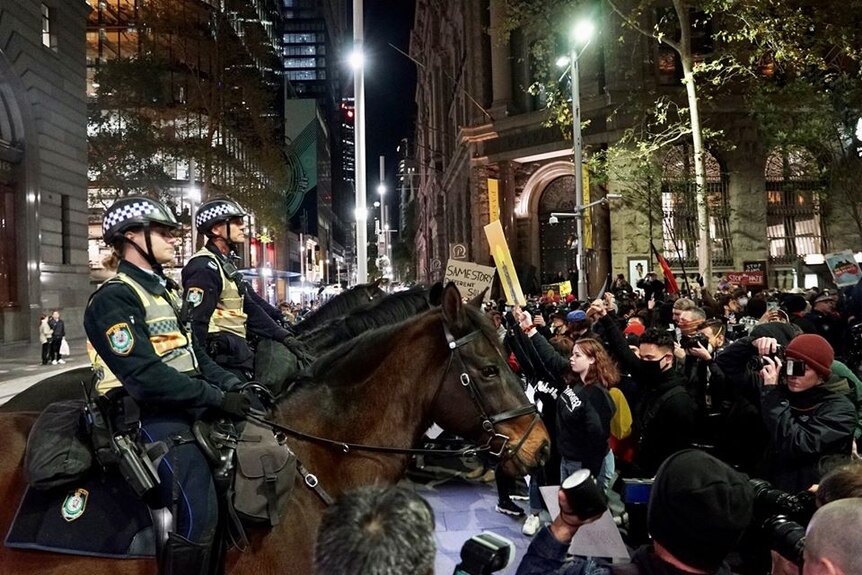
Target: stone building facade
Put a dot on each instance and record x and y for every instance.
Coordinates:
(477, 123)
(43, 165)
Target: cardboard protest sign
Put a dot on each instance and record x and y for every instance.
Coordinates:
(470, 278)
(845, 270)
(503, 260)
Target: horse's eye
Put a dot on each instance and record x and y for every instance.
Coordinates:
(490, 371)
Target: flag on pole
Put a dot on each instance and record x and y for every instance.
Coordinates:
(670, 280)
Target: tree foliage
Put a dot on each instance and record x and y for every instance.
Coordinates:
(194, 86)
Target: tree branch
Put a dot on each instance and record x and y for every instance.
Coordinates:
(637, 27)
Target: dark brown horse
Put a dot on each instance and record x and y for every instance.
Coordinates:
(383, 388)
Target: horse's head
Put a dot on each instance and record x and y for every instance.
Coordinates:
(480, 398)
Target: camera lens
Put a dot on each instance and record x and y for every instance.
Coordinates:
(786, 537)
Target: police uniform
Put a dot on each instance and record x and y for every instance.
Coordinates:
(137, 341)
(223, 310)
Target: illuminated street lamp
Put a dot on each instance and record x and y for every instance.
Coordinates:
(581, 34)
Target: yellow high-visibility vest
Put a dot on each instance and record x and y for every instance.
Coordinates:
(228, 315)
(169, 340)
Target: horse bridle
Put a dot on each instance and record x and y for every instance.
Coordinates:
(477, 397)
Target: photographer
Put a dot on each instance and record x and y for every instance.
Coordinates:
(698, 510)
(376, 530)
(805, 420)
(705, 380)
(832, 539)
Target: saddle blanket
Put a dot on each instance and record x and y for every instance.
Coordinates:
(98, 516)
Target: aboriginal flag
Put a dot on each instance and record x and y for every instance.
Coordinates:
(669, 280)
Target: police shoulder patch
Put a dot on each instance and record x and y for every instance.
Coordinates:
(120, 338)
(195, 296)
(75, 504)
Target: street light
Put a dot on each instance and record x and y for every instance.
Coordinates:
(359, 143)
(582, 33)
(579, 213)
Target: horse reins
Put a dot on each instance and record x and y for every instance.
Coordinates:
(476, 396)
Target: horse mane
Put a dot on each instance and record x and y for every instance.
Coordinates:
(389, 310)
(338, 306)
(352, 359)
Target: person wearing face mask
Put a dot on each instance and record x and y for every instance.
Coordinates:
(664, 417)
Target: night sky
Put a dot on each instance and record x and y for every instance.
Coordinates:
(390, 87)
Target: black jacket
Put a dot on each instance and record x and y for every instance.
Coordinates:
(664, 419)
(584, 425)
(59, 328)
(804, 427)
(142, 373)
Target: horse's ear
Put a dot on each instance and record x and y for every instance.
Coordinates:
(478, 299)
(451, 304)
(435, 296)
(377, 282)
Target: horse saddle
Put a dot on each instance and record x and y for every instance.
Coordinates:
(98, 515)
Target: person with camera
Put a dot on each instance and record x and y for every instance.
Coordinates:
(805, 421)
(143, 352)
(376, 530)
(705, 380)
(222, 309)
(699, 508)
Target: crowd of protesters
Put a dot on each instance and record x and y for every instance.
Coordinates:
(767, 382)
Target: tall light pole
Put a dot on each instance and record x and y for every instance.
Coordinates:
(359, 145)
(582, 32)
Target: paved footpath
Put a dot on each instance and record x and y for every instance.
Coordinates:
(21, 365)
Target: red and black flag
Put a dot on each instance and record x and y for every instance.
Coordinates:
(669, 279)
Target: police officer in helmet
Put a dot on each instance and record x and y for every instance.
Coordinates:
(223, 310)
(143, 350)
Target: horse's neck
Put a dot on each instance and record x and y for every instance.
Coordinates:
(389, 407)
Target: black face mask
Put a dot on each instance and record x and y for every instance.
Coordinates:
(650, 371)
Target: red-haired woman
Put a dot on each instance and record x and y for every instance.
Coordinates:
(584, 412)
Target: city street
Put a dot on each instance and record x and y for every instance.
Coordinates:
(21, 366)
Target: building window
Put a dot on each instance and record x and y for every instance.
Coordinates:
(793, 226)
(49, 39)
(680, 231)
(66, 229)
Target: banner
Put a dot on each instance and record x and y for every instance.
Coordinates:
(503, 260)
(470, 278)
(845, 270)
(493, 200)
(753, 274)
(588, 217)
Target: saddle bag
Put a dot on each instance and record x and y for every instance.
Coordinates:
(58, 451)
(266, 470)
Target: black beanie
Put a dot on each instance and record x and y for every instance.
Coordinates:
(783, 332)
(699, 508)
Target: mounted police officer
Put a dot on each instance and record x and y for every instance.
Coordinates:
(222, 308)
(142, 348)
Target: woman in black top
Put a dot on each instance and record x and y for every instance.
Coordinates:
(585, 409)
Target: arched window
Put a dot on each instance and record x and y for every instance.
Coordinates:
(793, 226)
(679, 207)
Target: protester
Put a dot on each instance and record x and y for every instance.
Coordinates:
(833, 539)
(376, 530)
(698, 510)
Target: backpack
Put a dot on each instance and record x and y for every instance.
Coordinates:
(58, 451)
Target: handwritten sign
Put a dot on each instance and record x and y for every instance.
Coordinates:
(845, 270)
(470, 278)
(601, 538)
(561, 289)
(503, 260)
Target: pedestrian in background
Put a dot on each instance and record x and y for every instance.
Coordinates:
(58, 333)
(45, 332)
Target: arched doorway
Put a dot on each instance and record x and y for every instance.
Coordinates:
(557, 242)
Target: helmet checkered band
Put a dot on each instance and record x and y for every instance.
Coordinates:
(127, 212)
(216, 211)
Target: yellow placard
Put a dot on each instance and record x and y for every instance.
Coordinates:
(493, 200)
(505, 266)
